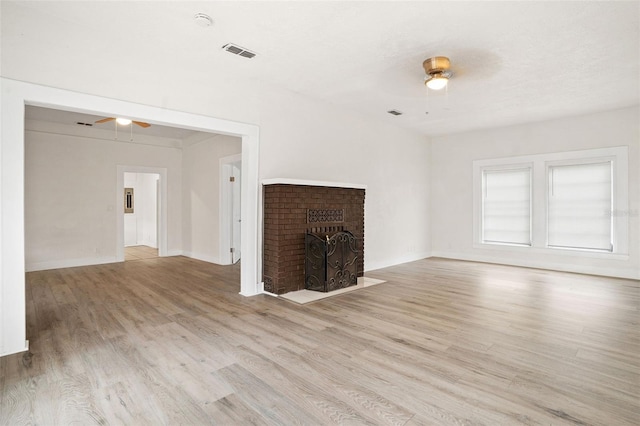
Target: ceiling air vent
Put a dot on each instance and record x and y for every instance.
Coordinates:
(80, 123)
(394, 112)
(237, 50)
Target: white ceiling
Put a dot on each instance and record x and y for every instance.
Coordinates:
(73, 118)
(513, 62)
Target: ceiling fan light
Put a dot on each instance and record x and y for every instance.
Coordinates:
(123, 121)
(437, 82)
(437, 70)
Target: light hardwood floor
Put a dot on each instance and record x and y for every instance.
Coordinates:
(140, 252)
(170, 341)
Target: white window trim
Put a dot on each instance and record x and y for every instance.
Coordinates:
(539, 164)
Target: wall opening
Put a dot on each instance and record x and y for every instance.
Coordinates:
(15, 96)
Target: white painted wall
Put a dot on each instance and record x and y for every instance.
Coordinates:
(452, 186)
(140, 227)
(147, 200)
(201, 195)
(70, 194)
(298, 138)
(304, 139)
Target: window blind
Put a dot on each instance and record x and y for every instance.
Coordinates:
(579, 206)
(506, 206)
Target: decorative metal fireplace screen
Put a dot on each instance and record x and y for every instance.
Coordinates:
(330, 261)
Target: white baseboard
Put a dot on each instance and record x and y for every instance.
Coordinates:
(203, 257)
(372, 266)
(68, 263)
(149, 243)
(71, 263)
(259, 290)
(616, 272)
(16, 351)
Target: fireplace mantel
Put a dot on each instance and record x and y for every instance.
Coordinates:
(288, 181)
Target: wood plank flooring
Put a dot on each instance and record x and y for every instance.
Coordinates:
(140, 252)
(442, 342)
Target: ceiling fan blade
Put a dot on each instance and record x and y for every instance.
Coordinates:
(104, 120)
(142, 124)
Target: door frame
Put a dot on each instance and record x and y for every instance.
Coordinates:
(161, 207)
(225, 210)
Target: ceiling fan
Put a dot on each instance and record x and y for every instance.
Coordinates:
(438, 73)
(123, 121)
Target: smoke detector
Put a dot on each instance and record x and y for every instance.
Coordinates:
(202, 19)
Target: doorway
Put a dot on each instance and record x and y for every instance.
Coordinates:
(141, 206)
(141, 209)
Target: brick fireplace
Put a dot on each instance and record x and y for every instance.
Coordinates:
(293, 208)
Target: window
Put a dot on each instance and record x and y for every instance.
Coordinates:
(579, 206)
(556, 203)
(506, 206)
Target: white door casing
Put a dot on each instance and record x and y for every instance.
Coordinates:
(230, 209)
(236, 213)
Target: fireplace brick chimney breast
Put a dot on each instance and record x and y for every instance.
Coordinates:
(292, 210)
